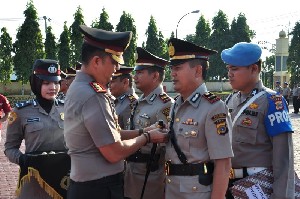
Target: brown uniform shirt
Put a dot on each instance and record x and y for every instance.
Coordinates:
(253, 147)
(202, 134)
(150, 109)
(90, 122)
(124, 105)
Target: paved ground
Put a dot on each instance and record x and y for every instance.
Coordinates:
(9, 172)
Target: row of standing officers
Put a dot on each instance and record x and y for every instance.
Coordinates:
(205, 140)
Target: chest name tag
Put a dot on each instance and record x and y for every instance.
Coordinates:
(37, 119)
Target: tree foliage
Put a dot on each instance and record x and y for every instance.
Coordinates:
(76, 36)
(50, 45)
(240, 30)
(293, 60)
(103, 22)
(64, 51)
(202, 34)
(6, 59)
(28, 45)
(152, 41)
(126, 23)
(268, 68)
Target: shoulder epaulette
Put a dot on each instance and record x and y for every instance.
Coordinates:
(164, 97)
(98, 87)
(212, 98)
(131, 98)
(23, 104)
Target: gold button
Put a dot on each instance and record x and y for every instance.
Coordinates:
(177, 119)
(194, 188)
(186, 133)
(169, 180)
(193, 133)
(137, 110)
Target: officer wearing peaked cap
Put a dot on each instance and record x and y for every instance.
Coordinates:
(199, 150)
(121, 88)
(40, 123)
(92, 133)
(153, 105)
(260, 140)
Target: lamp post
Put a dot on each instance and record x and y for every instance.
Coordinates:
(195, 11)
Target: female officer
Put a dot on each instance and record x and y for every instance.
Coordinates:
(45, 164)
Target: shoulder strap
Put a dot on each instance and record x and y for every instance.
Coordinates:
(246, 105)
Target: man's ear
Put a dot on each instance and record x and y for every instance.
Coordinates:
(125, 81)
(198, 70)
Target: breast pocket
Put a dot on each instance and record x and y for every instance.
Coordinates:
(187, 137)
(34, 127)
(247, 129)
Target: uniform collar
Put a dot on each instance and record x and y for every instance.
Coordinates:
(153, 95)
(123, 96)
(83, 77)
(195, 98)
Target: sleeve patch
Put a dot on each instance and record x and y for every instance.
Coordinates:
(12, 117)
(212, 98)
(97, 87)
(164, 97)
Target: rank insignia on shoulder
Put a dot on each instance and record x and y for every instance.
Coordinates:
(131, 98)
(97, 87)
(12, 117)
(166, 112)
(164, 97)
(212, 98)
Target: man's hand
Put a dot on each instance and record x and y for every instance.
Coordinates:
(158, 135)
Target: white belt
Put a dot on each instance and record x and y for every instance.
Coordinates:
(238, 173)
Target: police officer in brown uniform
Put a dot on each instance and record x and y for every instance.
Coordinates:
(92, 133)
(121, 88)
(199, 150)
(261, 127)
(40, 123)
(153, 105)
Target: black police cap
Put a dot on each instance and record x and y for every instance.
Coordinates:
(47, 69)
(123, 71)
(114, 43)
(145, 59)
(181, 51)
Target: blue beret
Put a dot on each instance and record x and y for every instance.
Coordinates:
(241, 54)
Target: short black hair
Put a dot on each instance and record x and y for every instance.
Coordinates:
(89, 51)
(203, 63)
(160, 71)
(128, 76)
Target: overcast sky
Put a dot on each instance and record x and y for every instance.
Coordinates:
(267, 18)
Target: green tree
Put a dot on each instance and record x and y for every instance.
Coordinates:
(103, 22)
(50, 45)
(6, 60)
(152, 34)
(64, 50)
(76, 36)
(219, 40)
(202, 34)
(240, 30)
(293, 60)
(126, 23)
(28, 45)
(268, 68)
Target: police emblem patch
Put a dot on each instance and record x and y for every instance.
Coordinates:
(12, 117)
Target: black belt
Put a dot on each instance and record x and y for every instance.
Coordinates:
(142, 158)
(189, 169)
(104, 180)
